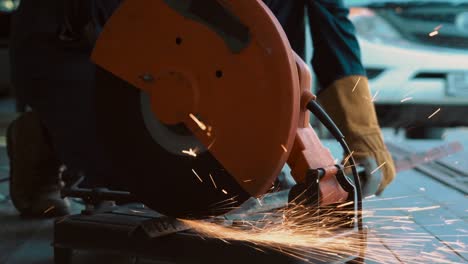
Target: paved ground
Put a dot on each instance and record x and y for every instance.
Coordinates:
(415, 205)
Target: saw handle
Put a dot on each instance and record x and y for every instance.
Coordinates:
(308, 153)
(325, 119)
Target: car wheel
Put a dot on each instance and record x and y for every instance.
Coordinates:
(423, 132)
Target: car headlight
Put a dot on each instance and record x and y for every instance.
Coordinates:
(8, 6)
(374, 28)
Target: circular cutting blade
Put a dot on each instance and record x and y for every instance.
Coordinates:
(198, 102)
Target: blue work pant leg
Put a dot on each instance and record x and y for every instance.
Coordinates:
(336, 49)
(290, 14)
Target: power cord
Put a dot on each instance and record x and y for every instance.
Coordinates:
(325, 119)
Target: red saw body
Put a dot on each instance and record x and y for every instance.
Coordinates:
(201, 103)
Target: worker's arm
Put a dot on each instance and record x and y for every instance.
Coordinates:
(345, 91)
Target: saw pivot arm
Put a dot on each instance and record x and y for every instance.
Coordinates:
(318, 178)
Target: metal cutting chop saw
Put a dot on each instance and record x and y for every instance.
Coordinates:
(203, 101)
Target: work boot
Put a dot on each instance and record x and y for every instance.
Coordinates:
(349, 103)
(34, 169)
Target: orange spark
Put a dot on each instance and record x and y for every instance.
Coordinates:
(259, 202)
(190, 152)
(433, 114)
(403, 221)
(49, 209)
(345, 204)
(433, 33)
(451, 221)
(208, 133)
(423, 208)
(284, 148)
(198, 122)
(378, 168)
(211, 144)
(406, 99)
(196, 174)
(224, 191)
(214, 184)
(346, 159)
(375, 96)
(355, 85)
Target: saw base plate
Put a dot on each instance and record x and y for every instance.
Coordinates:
(121, 230)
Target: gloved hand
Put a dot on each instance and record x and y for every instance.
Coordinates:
(349, 103)
(370, 153)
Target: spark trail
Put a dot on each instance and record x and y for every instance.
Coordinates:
(301, 234)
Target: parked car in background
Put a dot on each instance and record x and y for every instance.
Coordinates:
(6, 7)
(416, 57)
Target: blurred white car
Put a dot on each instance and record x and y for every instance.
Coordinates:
(416, 57)
(6, 7)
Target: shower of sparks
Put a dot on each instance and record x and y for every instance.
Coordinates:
(304, 235)
(284, 148)
(433, 114)
(196, 174)
(406, 99)
(356, 84)
(190, 152)
(378, 168)
(214, 183)
(198, 122)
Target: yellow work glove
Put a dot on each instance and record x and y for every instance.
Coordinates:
(348, 101)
